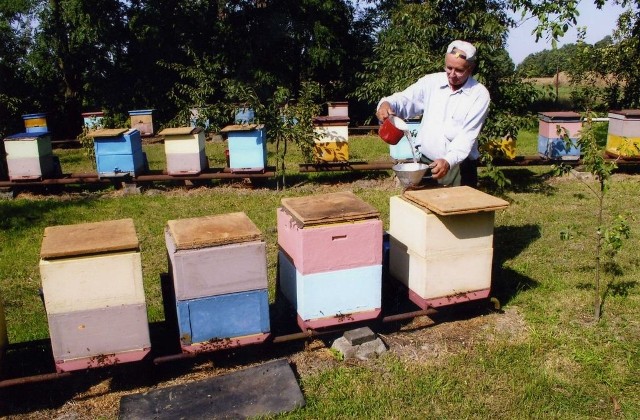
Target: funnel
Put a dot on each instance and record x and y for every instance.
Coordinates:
(410, 174)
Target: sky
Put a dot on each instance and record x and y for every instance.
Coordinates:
(599, 23)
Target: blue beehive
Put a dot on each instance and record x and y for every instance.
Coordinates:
(93, 120)
(118, 152)
(550, 143)
(247, 145)
(35, 123)
(402, 150)
(223, 317)
(245, 116)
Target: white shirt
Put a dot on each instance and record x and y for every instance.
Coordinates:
(451, 120)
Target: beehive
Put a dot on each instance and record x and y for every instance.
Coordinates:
(29, 156)
(550, 142)
(441, 244)
(244, 116)
(35, 123)
(142, 120)
(402, 150)
(93, 120)
(330, 258)
(247, 145)
(338, 109)
(623, 137)
(184, 149)
(93, 293)
(332, 138)
(118, 152)
(218, 267)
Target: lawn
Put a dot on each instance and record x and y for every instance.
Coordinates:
(543, 357)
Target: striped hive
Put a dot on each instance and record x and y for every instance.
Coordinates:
(330, 258)
(218, 267)
(550, 143)
(29, 156)
(93, 293)
(184, 149)
(331, 143)
(623, 137)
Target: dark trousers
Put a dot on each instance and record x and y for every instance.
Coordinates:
(469, 173)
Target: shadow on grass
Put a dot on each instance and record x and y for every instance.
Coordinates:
(524, 180)
(24, 214)
(509, 242)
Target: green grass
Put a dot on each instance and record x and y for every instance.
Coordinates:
(561, 365)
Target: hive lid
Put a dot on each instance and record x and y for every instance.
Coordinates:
(331, 120)
(89, 238)
(241, 127)
(180, 131)
(629, 113)
(222, 229)
(328, 208)
(109, 132)
(455, 200)
(27, 136)
(559, 116)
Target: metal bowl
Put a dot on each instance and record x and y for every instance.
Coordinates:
(410, 174)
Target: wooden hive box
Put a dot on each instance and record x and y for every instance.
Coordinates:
(332, 139)
(142, 120)
(333, 240)
(550, 144)
(99, 337)
(623, 136)
(331, 298)
(444, 278)
(118, 152)
(90, 266)
(247, 144)
(184, 148)
(215, 255)
(223, 321)
(35, 123)
(425, 232)
(93, 293)
(441, 243)
(29, 156)
(338, 109)
(92, 120)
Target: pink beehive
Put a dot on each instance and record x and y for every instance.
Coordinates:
(330, 258)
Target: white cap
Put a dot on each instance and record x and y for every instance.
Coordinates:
(465, 49)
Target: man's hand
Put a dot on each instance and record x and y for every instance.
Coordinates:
(384, 111)
(439, 168)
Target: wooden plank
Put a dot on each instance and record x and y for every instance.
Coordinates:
(328, 208)
(241, 127)
(455, 200)
(109, 132)
(176, 131)
(199, 232)
(89, 238)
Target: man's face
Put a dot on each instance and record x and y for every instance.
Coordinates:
(457, 68)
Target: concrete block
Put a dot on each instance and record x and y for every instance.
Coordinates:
(343, 346)
(359, 336)
(370, 349)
